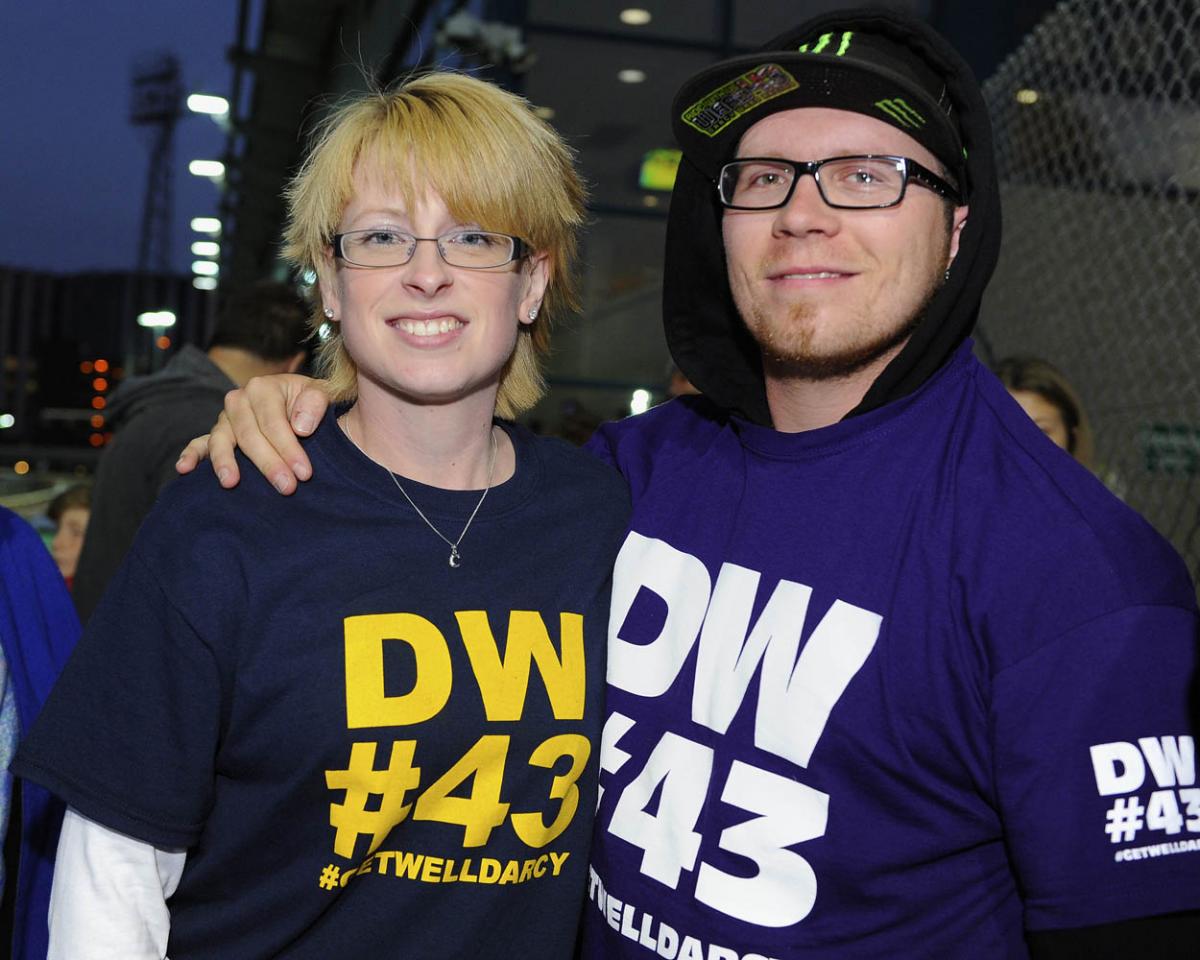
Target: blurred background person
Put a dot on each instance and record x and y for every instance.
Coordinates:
(38, 630)
(260, 330)
(70, 512)
(1051, 402)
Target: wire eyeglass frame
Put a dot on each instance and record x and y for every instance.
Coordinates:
(519, 249)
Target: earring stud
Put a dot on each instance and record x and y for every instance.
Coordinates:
(533, 314)
(328, 313)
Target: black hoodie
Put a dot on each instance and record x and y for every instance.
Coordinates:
(154, 417)
(704, 332)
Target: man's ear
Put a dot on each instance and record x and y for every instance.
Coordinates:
(956, 227)
(537, 278)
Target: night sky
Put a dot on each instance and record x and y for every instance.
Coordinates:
(73, 168)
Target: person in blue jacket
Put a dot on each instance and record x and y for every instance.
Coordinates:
(38, 630)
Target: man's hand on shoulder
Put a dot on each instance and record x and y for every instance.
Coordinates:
(263, 418)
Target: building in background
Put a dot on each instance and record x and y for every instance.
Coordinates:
(67, 341)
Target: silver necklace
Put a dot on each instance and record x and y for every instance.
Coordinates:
(455, 559)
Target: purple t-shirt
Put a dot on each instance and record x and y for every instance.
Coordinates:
(907, 685)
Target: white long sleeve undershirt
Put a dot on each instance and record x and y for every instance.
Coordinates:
(109, 898)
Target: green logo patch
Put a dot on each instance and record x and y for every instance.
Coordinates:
(822, 44)
(901, 113)
(738, 97)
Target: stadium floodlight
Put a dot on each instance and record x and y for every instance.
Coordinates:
(206, 103)
(206, 168)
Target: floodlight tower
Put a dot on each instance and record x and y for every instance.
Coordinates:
(157, 95)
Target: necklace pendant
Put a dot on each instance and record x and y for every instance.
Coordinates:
(454, 559)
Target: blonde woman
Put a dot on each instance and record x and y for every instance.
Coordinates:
(394, 758)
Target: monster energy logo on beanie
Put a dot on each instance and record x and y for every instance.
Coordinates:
(900, 111)
(823, 42)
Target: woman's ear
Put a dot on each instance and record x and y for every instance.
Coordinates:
(327, 286)
(537, 278)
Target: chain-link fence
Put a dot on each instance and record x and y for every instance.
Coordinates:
(1097, 120)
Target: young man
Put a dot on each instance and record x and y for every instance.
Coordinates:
(889, 674)
(261, 330)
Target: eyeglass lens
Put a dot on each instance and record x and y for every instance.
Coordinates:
(460, 248)
(844, 181)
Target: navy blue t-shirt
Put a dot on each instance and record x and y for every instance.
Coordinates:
(364, 751)
(904, 686)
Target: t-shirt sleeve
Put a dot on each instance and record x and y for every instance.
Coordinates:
(130, 732)
(599, 445)
(1095, 769)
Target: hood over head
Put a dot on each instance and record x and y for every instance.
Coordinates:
(886, 65)
(185, 376)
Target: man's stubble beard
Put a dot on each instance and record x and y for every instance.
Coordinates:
(786, 343)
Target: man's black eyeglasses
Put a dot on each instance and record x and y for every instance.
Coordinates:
(847, 183)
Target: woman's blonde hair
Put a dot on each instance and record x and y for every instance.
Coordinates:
(493, 163)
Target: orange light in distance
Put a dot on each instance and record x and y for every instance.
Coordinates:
(97, 421)
(102, 366)
(99, 384)
(96, 439)
(99, 403)
(21, 467)
(85, 367)
(163, 342)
